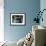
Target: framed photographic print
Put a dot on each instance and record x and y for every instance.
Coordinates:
(17, 19)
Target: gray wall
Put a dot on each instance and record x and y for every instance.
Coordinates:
(43, 6)
(30, 7)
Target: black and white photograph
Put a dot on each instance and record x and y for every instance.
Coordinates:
(18, 19)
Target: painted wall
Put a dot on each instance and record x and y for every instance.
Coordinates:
(30, 7)
(43, 6)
